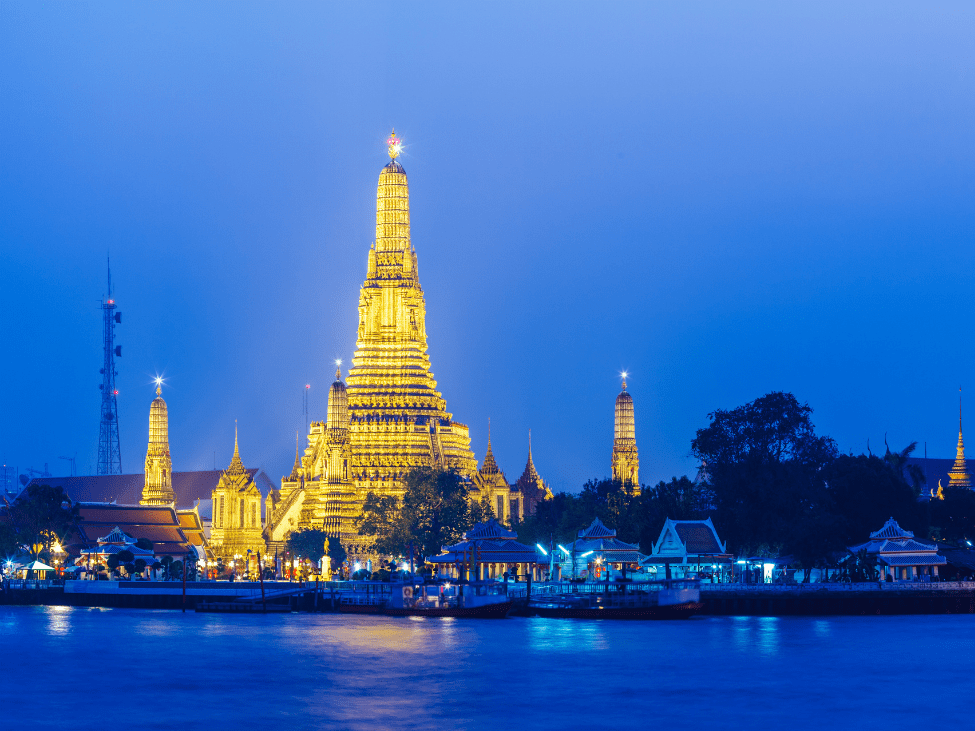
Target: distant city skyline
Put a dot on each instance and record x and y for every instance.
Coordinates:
(721, 204)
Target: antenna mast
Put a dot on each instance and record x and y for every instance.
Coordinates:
(109, 451)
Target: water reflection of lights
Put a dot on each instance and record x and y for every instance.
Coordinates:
(58, 620)
(761, 633)
(560, 634)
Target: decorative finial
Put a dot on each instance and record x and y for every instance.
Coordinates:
(623, 375)
(394, 145)
(159, 383)
(338, 369)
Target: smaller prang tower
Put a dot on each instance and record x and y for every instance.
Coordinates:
(626, 460)
(158, 488)
(958, 474)
(109, 451)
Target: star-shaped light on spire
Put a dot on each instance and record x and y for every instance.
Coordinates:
(623, 375)
(158, 380)
(394, 145)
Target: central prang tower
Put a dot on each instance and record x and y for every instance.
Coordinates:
(397, 419)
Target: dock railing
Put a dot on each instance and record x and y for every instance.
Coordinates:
(841, 586)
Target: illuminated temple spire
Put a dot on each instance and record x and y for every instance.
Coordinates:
(236, 467)
(397, 419)
(158, 486)
(958, 474)
(490, 465)
(296, 470)
(626, 460)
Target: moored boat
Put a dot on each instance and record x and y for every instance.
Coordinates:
(482, 600)
(671, 599)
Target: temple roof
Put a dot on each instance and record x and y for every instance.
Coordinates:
(127, 489)
(490, 529)
(596, 529)
(892, 530)
(158, 524)
(696, 537)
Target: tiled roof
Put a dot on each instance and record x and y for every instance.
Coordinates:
(127, 489)
(596, 529)
(116, 536)
(159, 525)
(490, 529)
(697, 536)
(913, 560)
(499, 557)
(892, 530)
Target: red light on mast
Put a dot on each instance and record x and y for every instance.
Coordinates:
(115, 392)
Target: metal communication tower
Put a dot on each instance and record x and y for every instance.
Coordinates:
(109, 451)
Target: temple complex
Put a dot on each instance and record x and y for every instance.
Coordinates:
(388, 418)
(626, 460)
(158, 488)
(236, 526)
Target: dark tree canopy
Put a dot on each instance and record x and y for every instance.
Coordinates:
(308, 543)
(763, 463)
(436, 510)
(40, 516)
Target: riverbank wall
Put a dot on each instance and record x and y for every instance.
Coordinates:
(873, 598)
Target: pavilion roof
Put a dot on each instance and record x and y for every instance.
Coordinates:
(490, 529)
(914, 560)
(597, 529)
(158, 524)
(892, 530)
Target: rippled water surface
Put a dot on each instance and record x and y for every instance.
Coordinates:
(81, 668)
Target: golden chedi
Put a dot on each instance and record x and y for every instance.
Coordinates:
(236, 525)
(158, 486)
(398, 421)
(958, 474)
(626, 460)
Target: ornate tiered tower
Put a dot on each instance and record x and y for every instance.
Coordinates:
(530, 489)
(958, 474)
(236, 526)
(158, 487)
(493, 486)
(626, 460)
(397, 419)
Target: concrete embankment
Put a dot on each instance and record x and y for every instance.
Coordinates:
(839, 599)
(167, 594)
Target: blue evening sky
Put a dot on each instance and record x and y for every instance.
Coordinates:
(722, 198)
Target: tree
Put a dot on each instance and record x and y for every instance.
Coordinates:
(167, 564)
(865, 491)
(308, 543)
(140, 565)
(336, 553)
(763, 463)
(954, 517)
(145, 544)
(40, 516)
(436, 510)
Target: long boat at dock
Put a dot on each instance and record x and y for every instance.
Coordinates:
(668, 599)
(474, 600)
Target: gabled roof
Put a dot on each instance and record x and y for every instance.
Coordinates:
(490, 529)
(116, 536)
(596, 529)
(127, 489)
(698, 537)
(158, 524)
(892, 530)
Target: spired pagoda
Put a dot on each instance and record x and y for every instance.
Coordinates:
(626, 458)
(158, 487)
(958, 474)
(237, 527)
(389, 418)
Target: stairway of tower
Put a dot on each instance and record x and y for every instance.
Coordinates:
(109, 450)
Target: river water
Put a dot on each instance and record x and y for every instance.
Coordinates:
(86, 668)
